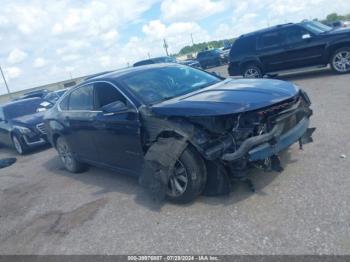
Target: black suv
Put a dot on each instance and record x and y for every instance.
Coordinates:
(290, 46)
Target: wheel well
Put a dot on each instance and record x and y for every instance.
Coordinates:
(54, 139)
(335, 47)
(173, 133)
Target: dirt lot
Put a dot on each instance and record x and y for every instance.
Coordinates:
(303, 210)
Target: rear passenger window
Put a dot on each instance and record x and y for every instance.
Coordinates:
(244, 44)
(81, 98)
(269, 40)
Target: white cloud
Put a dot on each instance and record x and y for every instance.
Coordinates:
(183, 10)
(70, 57)
(176, 34)
(12, 72)
(16, 56)
(39, 62)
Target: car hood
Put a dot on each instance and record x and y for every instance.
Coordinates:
(228, 97)
(29, 120)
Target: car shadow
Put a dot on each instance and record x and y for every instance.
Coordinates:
(107, 181)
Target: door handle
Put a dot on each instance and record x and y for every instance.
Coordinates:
(108, 114)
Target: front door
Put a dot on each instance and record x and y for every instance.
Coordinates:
(302, 48)
(117, 139)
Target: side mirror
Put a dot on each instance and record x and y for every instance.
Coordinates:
(306, 36)
(114, 107)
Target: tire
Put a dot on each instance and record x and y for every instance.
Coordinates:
(340, 61)
(252, 71)
(67, 158)
(196, 176)
(19, 145)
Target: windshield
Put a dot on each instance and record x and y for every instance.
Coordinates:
(22, 108)
(159, 84)
(316, 27)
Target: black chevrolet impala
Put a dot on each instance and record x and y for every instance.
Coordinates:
(182, 130)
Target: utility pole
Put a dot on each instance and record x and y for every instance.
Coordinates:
(192, 39)
(7, 87)
(165, 45)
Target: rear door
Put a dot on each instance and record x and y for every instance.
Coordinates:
(271, 50)
(302, 48)
(79, 118)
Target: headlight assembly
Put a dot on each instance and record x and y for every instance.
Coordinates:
(23, 130)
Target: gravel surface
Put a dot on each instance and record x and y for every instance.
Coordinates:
(303, 210)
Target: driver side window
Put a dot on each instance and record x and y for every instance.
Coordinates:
(105, 94)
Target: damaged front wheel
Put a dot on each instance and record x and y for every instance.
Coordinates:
(188, 178)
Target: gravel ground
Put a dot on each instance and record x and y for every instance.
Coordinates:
(303, 210)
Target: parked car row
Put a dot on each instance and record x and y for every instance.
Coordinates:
(205, 59)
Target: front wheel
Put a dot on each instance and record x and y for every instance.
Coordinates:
(20, 146)
(188, 178)
(252, 71)
(340, 61)
(67, 157)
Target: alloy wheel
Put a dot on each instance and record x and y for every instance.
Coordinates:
(65, 155)
(178, 181)
(252, 73)
(341, 61)
(17, 145)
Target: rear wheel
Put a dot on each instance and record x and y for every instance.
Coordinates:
(67, 157)
(188, 178)
(20, 146)
(252, 71)
(340, 61)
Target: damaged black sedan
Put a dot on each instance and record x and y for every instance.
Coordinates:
(181, 130)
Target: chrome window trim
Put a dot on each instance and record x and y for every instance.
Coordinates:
(94, 111)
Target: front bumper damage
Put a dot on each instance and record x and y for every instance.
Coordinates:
(269, 144)
(226, 158)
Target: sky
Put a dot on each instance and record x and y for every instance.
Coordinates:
(49, 41)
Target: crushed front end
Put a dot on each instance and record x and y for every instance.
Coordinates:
(256, 138)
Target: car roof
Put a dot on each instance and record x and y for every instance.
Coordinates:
(265, 30)
(130, 70)
(21, 101)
